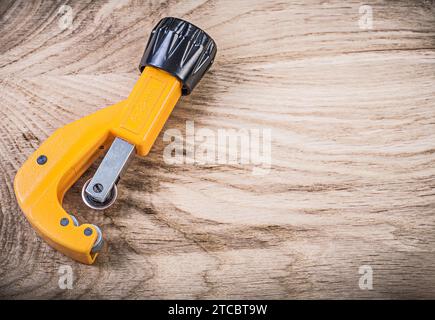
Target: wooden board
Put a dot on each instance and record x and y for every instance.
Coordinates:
(352, 119)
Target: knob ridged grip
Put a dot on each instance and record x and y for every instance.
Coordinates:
(181, 49)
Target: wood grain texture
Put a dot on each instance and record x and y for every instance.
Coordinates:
(352, 180)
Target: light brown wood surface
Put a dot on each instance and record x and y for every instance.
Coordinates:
(352, 181)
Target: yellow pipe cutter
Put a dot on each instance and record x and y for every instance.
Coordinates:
(176, 57)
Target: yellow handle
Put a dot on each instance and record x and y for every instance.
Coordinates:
(70, 150)
(147, 108)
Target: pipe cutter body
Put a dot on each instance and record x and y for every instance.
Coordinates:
(176, 57)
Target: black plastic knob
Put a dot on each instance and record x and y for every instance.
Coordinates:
(181, 49)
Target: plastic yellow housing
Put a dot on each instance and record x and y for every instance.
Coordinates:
(72, 149)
